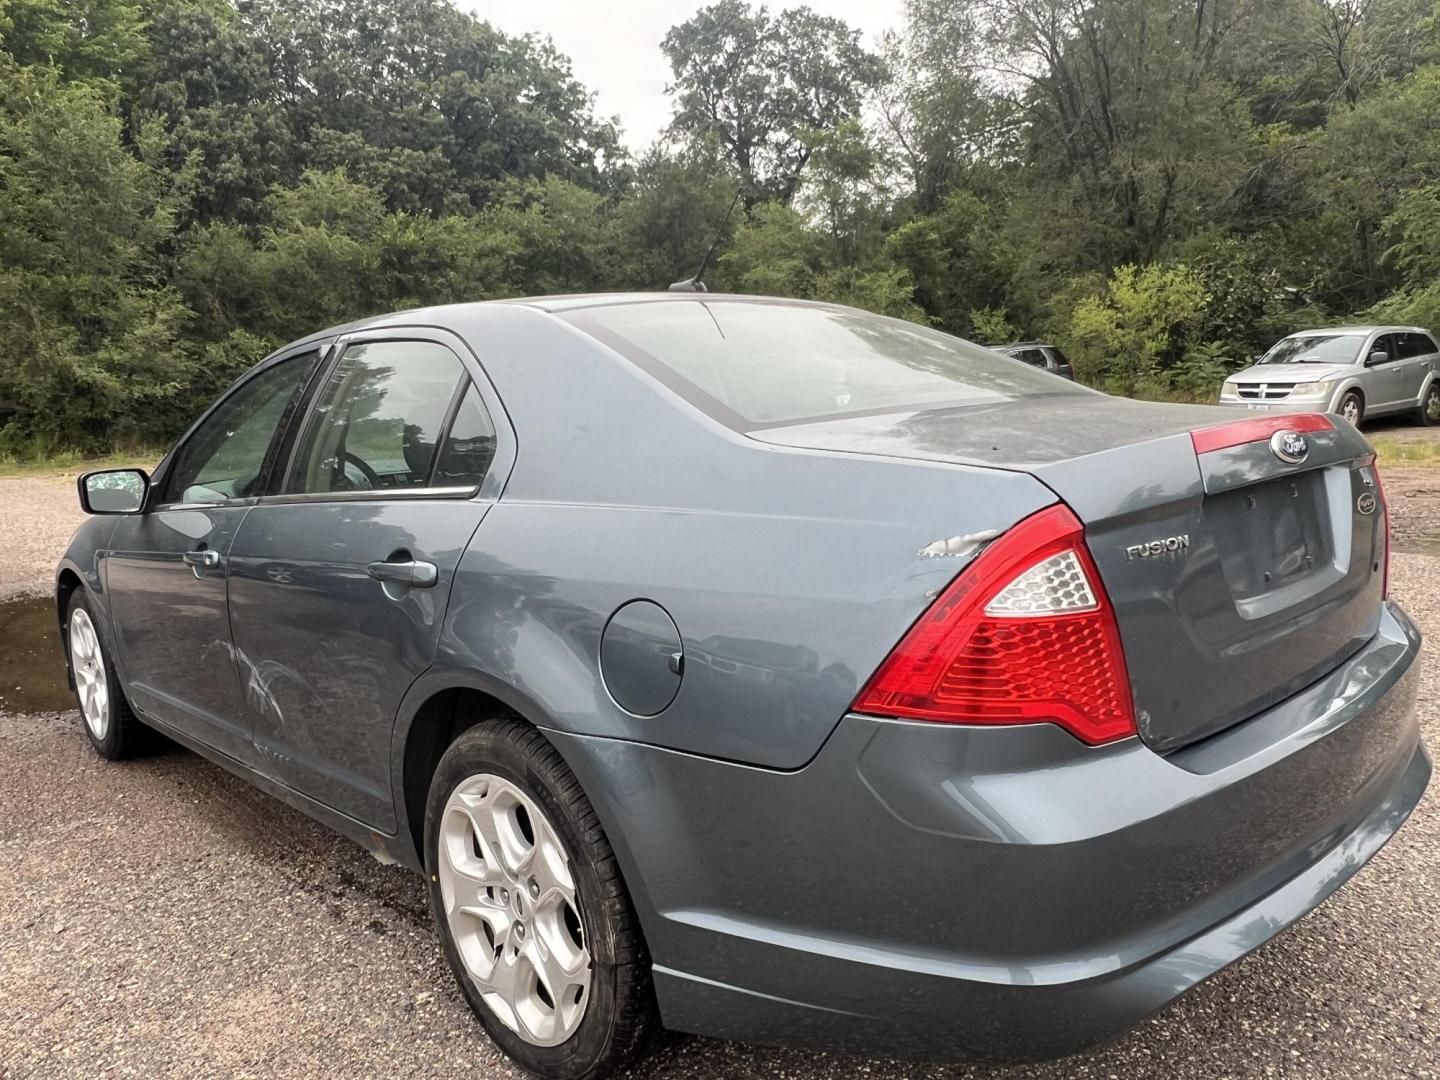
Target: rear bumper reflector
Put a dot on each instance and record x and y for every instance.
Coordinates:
(1256, 430)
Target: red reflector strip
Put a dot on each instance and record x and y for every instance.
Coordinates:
(1257, 430)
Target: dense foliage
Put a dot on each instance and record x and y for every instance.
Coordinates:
(1162, 186)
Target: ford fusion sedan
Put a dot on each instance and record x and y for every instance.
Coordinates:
(769, 670)
(1355, 371)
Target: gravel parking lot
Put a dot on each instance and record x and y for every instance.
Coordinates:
(162, 918)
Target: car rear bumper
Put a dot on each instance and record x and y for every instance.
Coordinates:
(1003, 893)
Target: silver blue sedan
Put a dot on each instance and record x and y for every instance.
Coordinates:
(769, 670)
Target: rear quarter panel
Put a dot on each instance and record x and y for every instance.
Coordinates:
(790, 574)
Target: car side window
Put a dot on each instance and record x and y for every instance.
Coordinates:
(224, 457)
(469, 445)
(1057, 356)
(1033, 357)
(377, 422)
(1384, 343)
(1413, 344)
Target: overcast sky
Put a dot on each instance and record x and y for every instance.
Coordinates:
(615, 47)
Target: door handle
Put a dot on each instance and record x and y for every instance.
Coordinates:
(413, 572)
(202, 560)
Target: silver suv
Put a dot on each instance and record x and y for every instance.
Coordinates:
(1356, 371)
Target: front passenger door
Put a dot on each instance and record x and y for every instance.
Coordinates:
(1381, 383)
(339, 583)
(166, 570)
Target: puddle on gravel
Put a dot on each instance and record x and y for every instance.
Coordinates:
(32, 668)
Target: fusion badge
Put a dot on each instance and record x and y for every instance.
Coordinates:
(1169, 545)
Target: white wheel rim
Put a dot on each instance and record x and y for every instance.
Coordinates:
(1350, 410)
(88, 662)
(511, 908)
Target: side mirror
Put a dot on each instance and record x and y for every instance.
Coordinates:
(113, 491)
(1377, 356)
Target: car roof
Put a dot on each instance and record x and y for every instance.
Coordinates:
(1359, 329)
(441, 313)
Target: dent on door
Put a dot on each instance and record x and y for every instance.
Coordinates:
(336, 608)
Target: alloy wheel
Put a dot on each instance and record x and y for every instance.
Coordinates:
(1432, 404)
(511, 907)
(1350, 409)
(88, 662)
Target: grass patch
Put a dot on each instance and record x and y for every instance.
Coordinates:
(1401, 451)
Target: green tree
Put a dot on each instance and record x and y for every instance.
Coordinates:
(83, 39)
(1138, 326)
(89, 326)
(760, 85)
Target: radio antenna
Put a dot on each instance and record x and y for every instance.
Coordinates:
(694, 284)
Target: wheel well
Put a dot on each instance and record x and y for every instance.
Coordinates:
(443, 718)
(65, 586)
(1356, 391)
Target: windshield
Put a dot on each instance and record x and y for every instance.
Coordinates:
(1316, 349)
(751, 363)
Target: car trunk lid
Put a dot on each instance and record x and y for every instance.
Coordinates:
(1237, 577)
(1241, 584)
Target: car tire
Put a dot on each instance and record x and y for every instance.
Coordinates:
(1352, 407)
(522, 880)
(1429, 411)
(110, 724)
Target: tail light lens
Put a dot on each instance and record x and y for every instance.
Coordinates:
(1025, 634)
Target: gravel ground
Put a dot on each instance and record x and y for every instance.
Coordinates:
(163, 918)
(37, 516)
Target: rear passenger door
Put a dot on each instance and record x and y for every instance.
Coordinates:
(1059, 363)
(1415, 357)
(339, 579)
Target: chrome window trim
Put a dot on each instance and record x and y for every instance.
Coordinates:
(217, 505)
(506, 442)
(371, 495)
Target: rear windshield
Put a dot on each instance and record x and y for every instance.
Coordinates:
(1316, 349)
(752, 364)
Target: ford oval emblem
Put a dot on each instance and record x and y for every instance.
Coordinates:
(1366, 503)
(1289, 446)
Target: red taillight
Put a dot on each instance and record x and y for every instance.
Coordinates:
(1385, 530)
(1025, 634)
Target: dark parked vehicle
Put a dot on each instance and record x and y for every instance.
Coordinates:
(770, 670)
(1039, 354)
